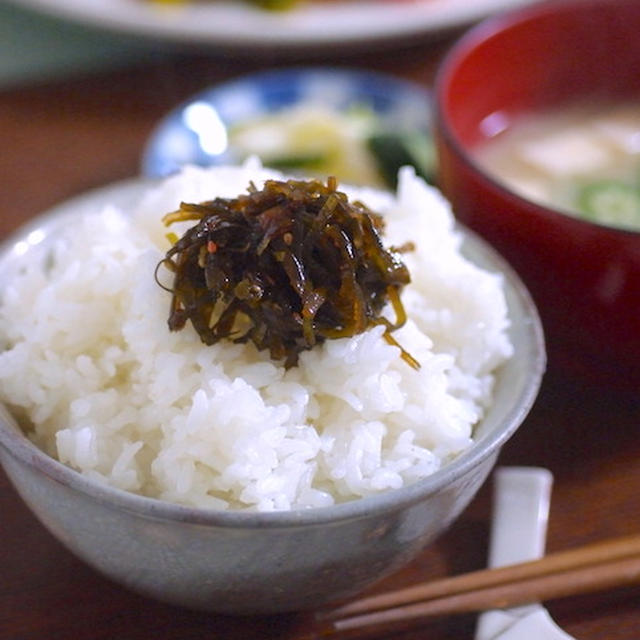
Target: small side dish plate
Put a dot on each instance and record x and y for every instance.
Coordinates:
(190, 134)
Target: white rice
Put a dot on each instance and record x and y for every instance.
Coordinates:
(89, 364)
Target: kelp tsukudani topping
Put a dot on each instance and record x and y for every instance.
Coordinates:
(285, 267)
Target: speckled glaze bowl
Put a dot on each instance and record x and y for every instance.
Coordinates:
(262, 562)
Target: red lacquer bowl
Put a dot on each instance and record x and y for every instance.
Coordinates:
(584, 277)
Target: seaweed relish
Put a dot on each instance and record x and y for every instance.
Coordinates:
(285, 267)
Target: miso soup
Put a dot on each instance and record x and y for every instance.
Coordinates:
(583, 160)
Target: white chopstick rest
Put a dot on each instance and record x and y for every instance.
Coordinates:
(521, 499)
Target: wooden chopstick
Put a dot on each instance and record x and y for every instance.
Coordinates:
(586, 569)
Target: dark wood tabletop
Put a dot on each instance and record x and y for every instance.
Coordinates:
(64, 137)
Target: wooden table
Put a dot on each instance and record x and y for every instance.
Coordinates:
(61, 139)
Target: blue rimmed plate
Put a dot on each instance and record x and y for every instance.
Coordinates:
(197, 131)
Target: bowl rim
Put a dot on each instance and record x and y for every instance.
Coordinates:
(475, 37)
(19, 447)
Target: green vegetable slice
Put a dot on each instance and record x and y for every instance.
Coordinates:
(392, 151)
(297, 161)
(276, 5)
(611, 203)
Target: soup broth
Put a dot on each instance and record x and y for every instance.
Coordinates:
(583, 160)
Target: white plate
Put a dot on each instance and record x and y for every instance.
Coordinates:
(235, 23)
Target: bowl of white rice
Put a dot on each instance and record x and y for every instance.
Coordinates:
(215, 478)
